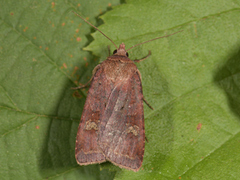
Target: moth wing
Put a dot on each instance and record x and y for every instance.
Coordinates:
(87, 150)
(122, 135)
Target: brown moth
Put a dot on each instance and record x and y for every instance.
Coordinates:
(112, 122)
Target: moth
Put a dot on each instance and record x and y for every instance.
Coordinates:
(112, 122)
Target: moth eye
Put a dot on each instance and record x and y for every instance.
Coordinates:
(127, 54)
(115, 51)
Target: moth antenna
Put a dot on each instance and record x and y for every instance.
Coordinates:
(153, 40)
(95, 28)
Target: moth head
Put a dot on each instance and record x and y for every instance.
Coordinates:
(121, 51)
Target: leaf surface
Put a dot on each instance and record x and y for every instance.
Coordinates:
(191, 79)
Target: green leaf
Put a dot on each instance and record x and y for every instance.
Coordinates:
(191, 79)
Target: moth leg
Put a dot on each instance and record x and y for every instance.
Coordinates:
(138, 72)
(84, 85)
(87, 84)
(146, 139)
(139, 60)
(147, 103)
(109, 51)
